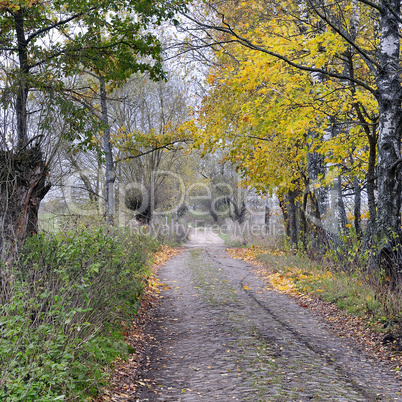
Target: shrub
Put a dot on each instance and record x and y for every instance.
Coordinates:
(62, 310)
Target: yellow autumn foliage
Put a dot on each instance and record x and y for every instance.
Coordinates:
(269, 115)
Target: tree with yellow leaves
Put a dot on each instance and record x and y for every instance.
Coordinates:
(339, 64)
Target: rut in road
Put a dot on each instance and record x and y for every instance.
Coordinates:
(221, 335)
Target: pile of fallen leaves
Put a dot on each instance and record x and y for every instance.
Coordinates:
(125, 380)
(163, 255)
(250, 254)
(282, 282)
(343, 324)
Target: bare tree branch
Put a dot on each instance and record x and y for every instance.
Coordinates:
(165, 146)
(55, 25)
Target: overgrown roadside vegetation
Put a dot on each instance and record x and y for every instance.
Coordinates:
(367, 311)
(64, 307)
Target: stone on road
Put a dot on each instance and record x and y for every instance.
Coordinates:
(220, 335)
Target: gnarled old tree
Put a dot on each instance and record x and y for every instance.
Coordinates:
(353, 45)
(43, 47)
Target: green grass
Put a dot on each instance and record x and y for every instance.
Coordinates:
(233, 242)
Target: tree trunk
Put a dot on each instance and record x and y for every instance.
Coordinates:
(341, 205)
(319, 203)
(292, 195)
(289, 211)
(319, 236)
(282, 205)
(23, 171)
(212, 212)
(303, 220)
(267, 215)
(389, 141)
(144, 217)
(23, 186)
(107, 147)
(371, 201)
(241, 216)
(389, 95)
(239, 211)
(23, 88)
(357, 208)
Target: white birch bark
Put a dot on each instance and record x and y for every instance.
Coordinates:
(389, 141)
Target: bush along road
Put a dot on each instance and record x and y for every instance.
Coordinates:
(219, 334)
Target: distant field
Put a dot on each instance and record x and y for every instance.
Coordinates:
(49, 222)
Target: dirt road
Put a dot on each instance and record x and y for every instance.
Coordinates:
(221, 336)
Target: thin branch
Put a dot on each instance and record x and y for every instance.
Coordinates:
(258, 138)
(37, 137)
(247, 43)
(369, 3)
(165, 146)
(81, 188)
(55, 25)
(393, 12)
(370, 63)
(81, 51)
(84, 103)
(197, 47)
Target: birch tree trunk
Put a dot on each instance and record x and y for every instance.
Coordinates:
(372, 205)
(389, 141)
(389, 95)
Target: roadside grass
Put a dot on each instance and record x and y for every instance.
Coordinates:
(351, 291)
(224, 237)
(232, 242)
